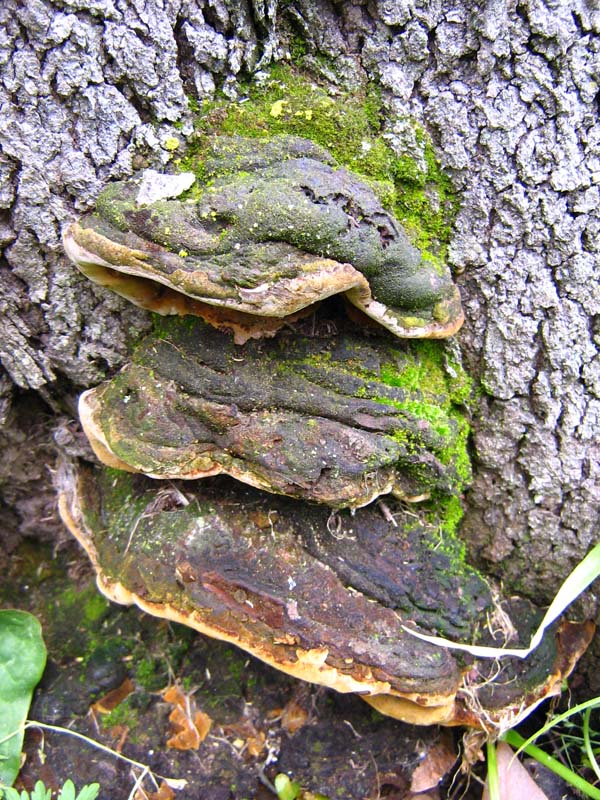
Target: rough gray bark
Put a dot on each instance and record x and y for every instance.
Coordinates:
(509, 93)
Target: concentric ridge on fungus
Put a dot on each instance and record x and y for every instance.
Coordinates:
(275, 228)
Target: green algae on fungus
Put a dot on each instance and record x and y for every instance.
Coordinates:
(320, 597)
(191, 404)
(275, 227)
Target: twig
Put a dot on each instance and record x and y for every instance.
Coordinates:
(174, 783)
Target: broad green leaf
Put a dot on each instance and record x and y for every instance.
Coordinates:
(89, 792)
(22, 662)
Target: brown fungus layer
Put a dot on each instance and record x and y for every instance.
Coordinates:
(304, 416)
(275, 227)
(264, 573)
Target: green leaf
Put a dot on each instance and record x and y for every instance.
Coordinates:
(285, 788)
(493, 777)
(22, 662)
(68, 791)
(40, 792)
(10, 794)
(89, 792)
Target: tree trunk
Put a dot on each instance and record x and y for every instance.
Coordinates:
(509, 94)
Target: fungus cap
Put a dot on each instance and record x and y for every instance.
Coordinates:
(275, 228)
(191, 404)
(261, 573)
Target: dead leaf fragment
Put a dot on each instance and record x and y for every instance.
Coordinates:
(515, 782)
(250, 739)
(256, 744)
(189, 726)
(438, 761)
(264, 520)
(113, 698)
(164, 793)
(119, 732)
(394, 784)
(293, 716)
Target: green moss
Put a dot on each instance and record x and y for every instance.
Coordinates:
(350, 126)
(298, 49)
(235, 662)
(427, 369)
(152, 673)
(437, 390)
(125, 714)
(74, 616)
(452, 515)
(425, 193)
(95, 608)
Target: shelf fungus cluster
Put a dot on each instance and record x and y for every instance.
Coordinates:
(241, 471)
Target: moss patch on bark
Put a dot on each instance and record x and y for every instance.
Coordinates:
(351, 127)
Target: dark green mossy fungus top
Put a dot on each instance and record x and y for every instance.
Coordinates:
(350, 124)
(323, 418)
(274, 228)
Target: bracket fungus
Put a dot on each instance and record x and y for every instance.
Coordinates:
(192, 404)
(274, 228)
(321, 603)
(295, 568)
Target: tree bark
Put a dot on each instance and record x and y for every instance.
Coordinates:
(509, 94)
